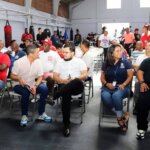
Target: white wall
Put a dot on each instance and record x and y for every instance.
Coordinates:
(90, 13)
(19, 19)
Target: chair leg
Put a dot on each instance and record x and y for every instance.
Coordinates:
(34, 107)
(100, 113)
(89, 92)
(92, 89)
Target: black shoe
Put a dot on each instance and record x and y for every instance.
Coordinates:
(56, 95)
(50, 102)
(66, 132)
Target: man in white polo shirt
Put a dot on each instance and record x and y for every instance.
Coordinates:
(69, 73)
(24, 72)
(48, 59)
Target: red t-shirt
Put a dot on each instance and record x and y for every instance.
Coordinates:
(144, 39)
(4, 59)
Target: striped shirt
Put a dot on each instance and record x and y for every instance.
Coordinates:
(135, 54)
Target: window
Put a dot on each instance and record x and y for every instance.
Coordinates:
(144, 3)
(113, 4)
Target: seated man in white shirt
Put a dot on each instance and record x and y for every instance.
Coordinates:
(48, 59)
(24, 72)
(69, 73)
(87, 57)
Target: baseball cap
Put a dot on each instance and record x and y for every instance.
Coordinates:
(28, 38)
(48, 41)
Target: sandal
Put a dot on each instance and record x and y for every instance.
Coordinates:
(125, 117)
(122, 124)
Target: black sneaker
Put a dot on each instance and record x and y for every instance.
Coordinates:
(50, 102)
(66, 132)
(134, 111)
(140, 135)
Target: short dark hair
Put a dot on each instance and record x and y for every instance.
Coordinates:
(86, 43)
(31, 48)
(58, 45)
(39, 28)
(70, 45)
(12, 41)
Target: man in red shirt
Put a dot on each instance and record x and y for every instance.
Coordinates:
(4, 65)
(145, 36)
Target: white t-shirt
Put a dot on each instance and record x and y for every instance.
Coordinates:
(49, 60)
(140, 59)
(27, 71)
(70, 68)
(78, 52)
(105, 41)
(89, 61)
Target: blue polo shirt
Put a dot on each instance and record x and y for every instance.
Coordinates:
(117, 72)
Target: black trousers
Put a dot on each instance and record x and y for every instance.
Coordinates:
(143, 107)
(74, 87)
(127, 47)
(105, 53)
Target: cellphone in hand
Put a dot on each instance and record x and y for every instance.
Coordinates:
(114, 83)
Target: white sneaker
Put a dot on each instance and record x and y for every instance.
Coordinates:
(24, 120)
(45, 117)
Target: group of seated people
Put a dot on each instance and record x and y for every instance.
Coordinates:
(31, 67)
(30, 71)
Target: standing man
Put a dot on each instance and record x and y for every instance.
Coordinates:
(25, 71)
(39, 36)
(77, 38)
(70, 78)
(104, 42)
(129, 40)
(55, 38)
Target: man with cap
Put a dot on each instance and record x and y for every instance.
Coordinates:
(48, 59)
(27, 41)
(55, 38)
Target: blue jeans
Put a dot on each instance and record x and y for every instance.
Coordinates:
(24, 92)
(114, 98)
(2, 84)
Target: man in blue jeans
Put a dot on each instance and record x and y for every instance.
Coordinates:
(24, 72)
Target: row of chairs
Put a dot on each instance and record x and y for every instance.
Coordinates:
(14, 97)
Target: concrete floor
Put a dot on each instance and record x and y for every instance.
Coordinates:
(85, 136)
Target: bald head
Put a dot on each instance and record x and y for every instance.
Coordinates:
(139, 46)
(1, 44)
